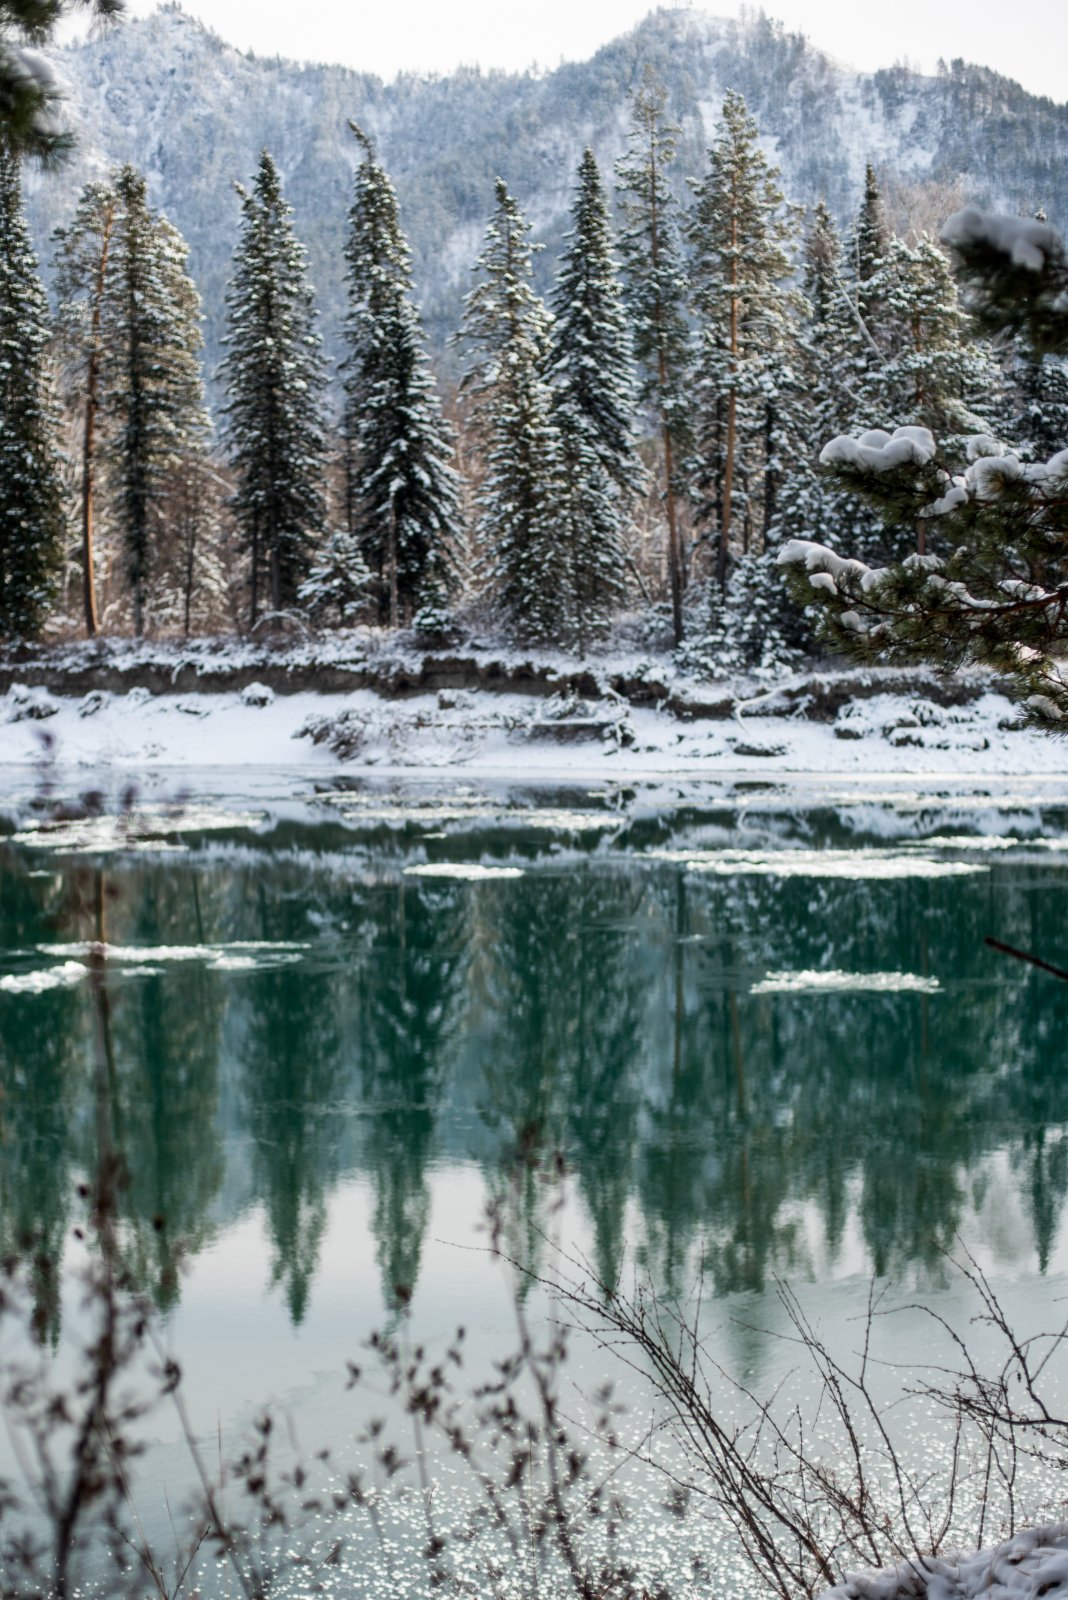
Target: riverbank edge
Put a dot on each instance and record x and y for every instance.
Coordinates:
(395, 670)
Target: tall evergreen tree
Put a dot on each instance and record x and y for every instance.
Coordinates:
(82, 278)
(31, 506)
(593, 376)
(274, 378)
(402, 493)
(507, 326)
(746, 309)
(656, 292)
(831, 368)
(152, 377)
(934, 373)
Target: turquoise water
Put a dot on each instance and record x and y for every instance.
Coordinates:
(754, 1038)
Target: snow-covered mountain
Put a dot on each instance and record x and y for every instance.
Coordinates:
(193, 113)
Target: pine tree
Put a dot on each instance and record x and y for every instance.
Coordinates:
(274, 379)
(656, 290)
(82, 278)
(31, 507)
(507, 325)
(28, 93)
(152, 380)
(402, 494)
(593, 377)
(997, 596)
(746, 310)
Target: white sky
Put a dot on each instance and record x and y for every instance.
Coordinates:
(1025, 39)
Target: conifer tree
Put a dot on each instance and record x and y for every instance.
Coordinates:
(994, 591)
(28, 92)
(274, 379)
(152, 378)
(746, 309)
(870, 238)
(1039, 425)
(129, 334)
(831, 368)
(402, 494)
(593, 377)
(82, 278)
(31, 506)
(656, 289)
(340, 587)
(933, 373)
(507, 326)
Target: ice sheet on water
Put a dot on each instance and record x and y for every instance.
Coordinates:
(145, 828)
(868, 864)
(61, 977)
(469, 870)
(144, 960)
(815, 982)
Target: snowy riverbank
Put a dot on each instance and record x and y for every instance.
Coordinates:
(516, 736)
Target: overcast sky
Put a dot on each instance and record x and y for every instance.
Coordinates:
(1026, 40)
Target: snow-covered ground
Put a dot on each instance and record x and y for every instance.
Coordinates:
(512, 736)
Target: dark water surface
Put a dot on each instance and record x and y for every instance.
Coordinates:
(766, 1038)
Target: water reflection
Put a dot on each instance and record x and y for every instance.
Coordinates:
(291, 1011)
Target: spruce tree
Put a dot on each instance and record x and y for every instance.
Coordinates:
(152, 377)
(82, 280)
(507, 326)
(593, 402)
(656, 288)
(31, 506)
(746, 311)
(870, 237)
(402, 494)
(274, 379)
(340, 588)
(933, 374)
(129, 335)
(831, 369)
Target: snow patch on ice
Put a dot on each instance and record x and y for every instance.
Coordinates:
(845, 983)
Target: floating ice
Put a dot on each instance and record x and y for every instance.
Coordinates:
(61, 977)
(845, 983)
(142, 960)
(461, 869)
(857, 864)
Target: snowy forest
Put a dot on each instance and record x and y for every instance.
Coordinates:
(628, 451)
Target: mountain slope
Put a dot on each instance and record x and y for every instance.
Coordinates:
(193, 113)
